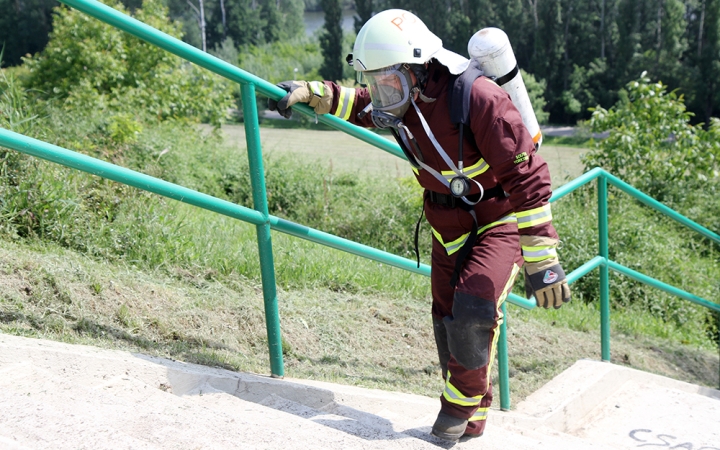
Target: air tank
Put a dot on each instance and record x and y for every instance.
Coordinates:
(491, 48)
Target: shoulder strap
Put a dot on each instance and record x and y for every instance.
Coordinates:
(459, 97)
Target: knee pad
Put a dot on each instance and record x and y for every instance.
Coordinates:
(468, 330)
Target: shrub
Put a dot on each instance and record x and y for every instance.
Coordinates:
(652, 145)
(92, 66)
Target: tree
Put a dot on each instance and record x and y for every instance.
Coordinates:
(24, 27)
(331, 41)
(200, 16)
(708, 84)
(90, 66)
(364, 9)
(652, 144)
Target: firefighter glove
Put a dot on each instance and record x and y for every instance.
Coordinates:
(315, 93)
(544, 277)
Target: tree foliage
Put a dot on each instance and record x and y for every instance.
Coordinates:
(586, 51)
(331, 41)
(24, 27)
(88, 64)
(652, 144)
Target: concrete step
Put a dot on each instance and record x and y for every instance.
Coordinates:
(43, 409)
(55, 395)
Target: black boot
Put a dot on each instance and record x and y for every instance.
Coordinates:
(448, 427)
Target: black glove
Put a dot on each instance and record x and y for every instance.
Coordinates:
(314, 93)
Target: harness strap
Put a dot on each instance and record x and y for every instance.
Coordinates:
(464, 251)
(417, 233)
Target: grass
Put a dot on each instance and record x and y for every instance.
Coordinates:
(375, 340)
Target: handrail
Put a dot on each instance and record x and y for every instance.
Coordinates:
(85, 163)
(264, 221)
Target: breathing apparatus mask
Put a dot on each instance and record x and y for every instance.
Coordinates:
(391, 92)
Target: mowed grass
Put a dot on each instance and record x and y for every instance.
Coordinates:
(344, 319)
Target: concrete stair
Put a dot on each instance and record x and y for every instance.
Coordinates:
(55, 395)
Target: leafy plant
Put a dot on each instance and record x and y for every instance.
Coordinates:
(92, 66)
(652, 144)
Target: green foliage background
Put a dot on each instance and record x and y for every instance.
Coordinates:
(89, 65)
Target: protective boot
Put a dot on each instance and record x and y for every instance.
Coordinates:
(441, 342)
(449, 428)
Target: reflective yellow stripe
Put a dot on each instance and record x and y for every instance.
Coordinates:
(345, 103)
(453, 395)
(501, 318)
(532, 217)
(539, 253)
(471, 171)
(480, 414)
(318, 88)
(452, 247)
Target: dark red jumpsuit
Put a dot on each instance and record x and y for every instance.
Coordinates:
(498, 151)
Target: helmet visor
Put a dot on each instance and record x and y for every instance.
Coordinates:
(389, 87)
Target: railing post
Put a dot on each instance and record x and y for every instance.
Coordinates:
(267, 266)
(503, 373)
(604, 269)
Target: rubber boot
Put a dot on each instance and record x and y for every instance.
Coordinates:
(449, 428)
(441, 341)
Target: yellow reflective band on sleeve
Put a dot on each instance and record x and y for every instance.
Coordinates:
(345, 103)
(318, 88)
(470, 171)
(452, 247)
(480, 414)
(510, 218)
(532, 217)
(453, 395)
(539, 253)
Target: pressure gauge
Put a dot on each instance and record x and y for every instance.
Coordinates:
(459, 186)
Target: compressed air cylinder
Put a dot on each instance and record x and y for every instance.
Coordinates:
(490, 47)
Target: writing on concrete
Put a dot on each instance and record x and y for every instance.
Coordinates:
(652, 439)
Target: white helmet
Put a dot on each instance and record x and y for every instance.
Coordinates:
(397, 36)
(385, 48)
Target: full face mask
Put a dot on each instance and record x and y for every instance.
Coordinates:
(390, 89)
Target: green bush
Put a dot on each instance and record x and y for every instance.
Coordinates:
(652, 144)
(92, 66)
(296, 59)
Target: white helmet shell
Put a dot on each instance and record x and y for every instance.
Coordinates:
(396, 36)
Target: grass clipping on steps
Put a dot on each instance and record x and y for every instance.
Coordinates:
(363, 339)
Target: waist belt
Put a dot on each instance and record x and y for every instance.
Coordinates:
(454, 202)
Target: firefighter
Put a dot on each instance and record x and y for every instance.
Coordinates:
(486, 195)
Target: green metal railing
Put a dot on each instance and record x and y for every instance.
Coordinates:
(264, 222)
